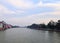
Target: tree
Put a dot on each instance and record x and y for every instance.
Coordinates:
(51, 25)
(58, 25)
(42, 25)
(33, 26)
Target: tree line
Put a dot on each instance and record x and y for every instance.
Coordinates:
(50, 26)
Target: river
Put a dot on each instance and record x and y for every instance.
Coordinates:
(25, 35)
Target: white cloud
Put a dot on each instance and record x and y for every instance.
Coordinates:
(53, 5)
(40, 4)
(55, 13)
(27, 4)
(35, 18)
(20, 11)
(21, 3)
(4, 10)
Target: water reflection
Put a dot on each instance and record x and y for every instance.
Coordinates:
(25, 35)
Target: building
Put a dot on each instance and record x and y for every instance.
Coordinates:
(4, 25)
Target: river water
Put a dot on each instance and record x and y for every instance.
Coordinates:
(25, 35)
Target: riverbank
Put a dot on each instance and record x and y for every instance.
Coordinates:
(45, 29)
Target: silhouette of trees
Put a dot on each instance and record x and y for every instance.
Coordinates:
(51, 25)
(42, 25)
(34, 26)
(37, 26)
(58, 25)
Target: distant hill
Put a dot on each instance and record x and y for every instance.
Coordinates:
(15, 26)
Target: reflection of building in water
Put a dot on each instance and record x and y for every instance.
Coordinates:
(4, 25)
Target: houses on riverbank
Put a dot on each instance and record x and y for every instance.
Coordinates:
(4, 25)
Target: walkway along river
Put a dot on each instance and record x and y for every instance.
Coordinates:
(25, 35)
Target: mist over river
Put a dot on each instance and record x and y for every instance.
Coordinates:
(26, 35)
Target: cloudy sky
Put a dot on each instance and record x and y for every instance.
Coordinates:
(26, 12)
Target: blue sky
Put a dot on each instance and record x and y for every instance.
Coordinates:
(26, 12)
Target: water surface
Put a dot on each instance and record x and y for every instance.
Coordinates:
(25, 35)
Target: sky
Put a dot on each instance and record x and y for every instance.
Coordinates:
(27, 12)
